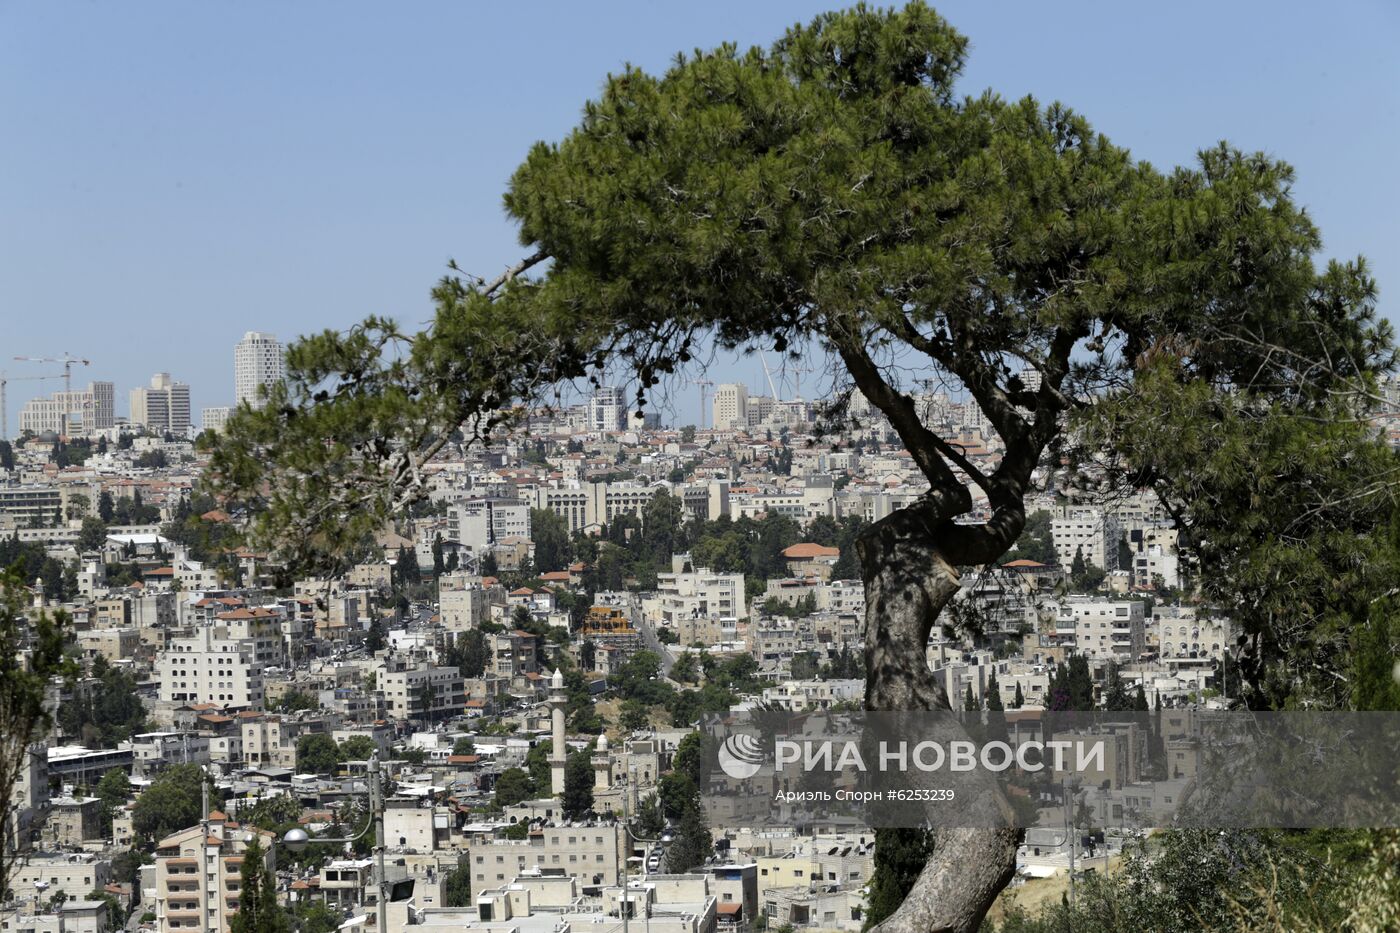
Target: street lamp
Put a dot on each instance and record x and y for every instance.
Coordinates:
(296, 840)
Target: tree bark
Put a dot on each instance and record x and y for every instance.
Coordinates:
(909, 562)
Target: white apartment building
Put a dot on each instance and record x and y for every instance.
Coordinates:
(798, 696)
(211, 667)
(1191, 639)
(589, 852)
(82, 411)
(701, 594)
(1088, 531)
(730, 406)
(197, 875)
(1102, 629)
(1154, 556)
(594, 503)
(479, 524)
(257, 361)
(163, 406)
(607, 409)
(25, 504)
(215, 419)
(760, 410)
(402, 686)
(464, 602)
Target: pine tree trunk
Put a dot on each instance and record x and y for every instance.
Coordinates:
(909, 563)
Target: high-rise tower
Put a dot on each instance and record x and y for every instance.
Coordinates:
(257, 361)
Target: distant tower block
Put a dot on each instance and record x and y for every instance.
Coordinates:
(558, 755)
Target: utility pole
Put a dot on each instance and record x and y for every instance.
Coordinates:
(376, 804)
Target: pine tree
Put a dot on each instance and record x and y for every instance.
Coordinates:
(258, 910)
(374, 638)
(994, 703)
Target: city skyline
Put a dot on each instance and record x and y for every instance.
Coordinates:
(290, 182)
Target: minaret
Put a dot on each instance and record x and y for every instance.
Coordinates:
(602, 765)
(557, 757)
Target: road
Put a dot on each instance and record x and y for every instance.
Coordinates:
(649, 639)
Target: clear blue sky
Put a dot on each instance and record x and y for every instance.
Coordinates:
(173, 174)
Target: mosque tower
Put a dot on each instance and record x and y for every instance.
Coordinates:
(558, 755)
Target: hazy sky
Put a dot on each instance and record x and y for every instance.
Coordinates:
(173, 174)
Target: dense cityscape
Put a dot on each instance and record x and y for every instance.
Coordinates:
(796, 485)
(526, 655)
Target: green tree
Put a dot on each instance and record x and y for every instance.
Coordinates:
(1019, 699)
(1035, 542)
(693, 845)
(633, 715)
(258, 910)
(578, 785)
(317, 753)
(114, 789)
(357, 748)
(171, 803)
(92, 535)
(900, 856)
(513, 786)
(31, 652)
(553, 546)
(464, 746)
(374, 638)
(459, 883)
(7, 455)
(650, 819)
(994, 703)
(835, 190)
(316, 917)
(106, 509)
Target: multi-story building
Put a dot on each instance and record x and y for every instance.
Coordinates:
(594, 504)
(607, 409)
(686, 599)
(81, 411)
(464, 601)
(76, 874)
(512, 654)
(1088, 532)
(1155, 558)
(215, 419)
(420, 691)
(589, 852)
(480, 524)
(265, 744)
(163, 407)
(198, 871)
(731, 406)
(28, 504)
(211, 666)
(1102, 629)
(257, 362)
(799, 696)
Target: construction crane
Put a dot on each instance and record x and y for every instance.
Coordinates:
(4, 401)
(67, 362)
